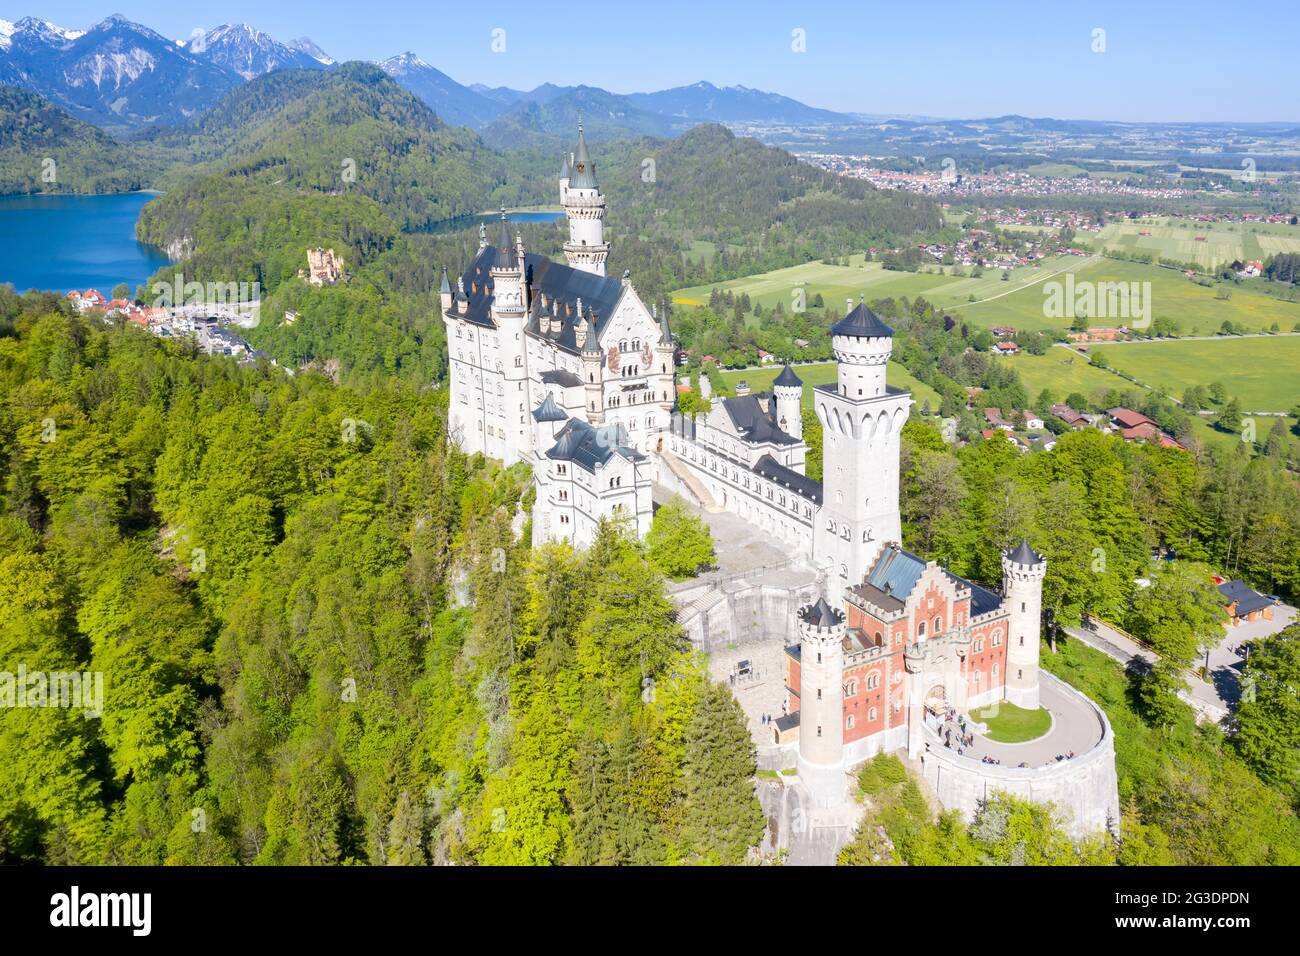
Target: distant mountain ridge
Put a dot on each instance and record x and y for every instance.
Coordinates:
(120, 75)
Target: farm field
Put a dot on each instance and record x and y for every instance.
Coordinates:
(821, 373)
(1177, 239)
(1062, 371)
(1194, 307)
(1263, 373)
(838, 283)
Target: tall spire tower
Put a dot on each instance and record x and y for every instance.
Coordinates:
(585, 208)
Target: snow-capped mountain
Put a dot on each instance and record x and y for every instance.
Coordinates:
(117, 74)
(454, 103)
(308, 46)
(247, 51)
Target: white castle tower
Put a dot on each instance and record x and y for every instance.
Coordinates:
(821, 703)
(788, 389)
(1022, 593)
(665, 363)
(861, 421)
(509, 310)
(585, 208)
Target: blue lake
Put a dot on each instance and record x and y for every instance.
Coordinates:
(74, 242)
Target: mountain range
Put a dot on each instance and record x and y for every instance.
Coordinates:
(122, 76)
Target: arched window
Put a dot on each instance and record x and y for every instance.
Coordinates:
(848, 722)
(519, 361)
(938, 625)
(979, 645)
(851, 688)
(997, 638)
(873, 680)
(871, 714)
(920, 629)
(1022, 640)
(819, 690)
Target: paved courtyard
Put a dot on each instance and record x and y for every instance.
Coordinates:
(1074, 728)
(760, 692)
(740, 546)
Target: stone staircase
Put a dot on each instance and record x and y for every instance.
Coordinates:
(692, 484)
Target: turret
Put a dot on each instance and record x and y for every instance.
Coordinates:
(862, 345)
(509, 315)
(788, 389)
(821, 703)
(1022, 594)
(444, 291)
(585, 208)
(666, 382)
(862, 420)
(593, 367)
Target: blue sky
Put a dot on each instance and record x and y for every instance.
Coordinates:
(1192, 61)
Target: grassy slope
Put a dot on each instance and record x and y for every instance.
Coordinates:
(1263, 373)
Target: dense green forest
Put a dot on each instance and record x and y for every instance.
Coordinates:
(320, 638)
(43, 149)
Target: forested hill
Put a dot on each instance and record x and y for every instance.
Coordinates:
(262, 568)
(711, 184)
(44, 149)
(348, 131)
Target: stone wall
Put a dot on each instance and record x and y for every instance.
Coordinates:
(719, 613)
(1084, 789)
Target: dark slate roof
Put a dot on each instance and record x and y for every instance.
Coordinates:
(863, 323)
(982, 600)
(755, 419)
(871, 594)
(1024, 554)
(787, 721)
(557, 283)
(561, 377)
(896, 572)
(548, 411)
(1248, 600)
(589, 447)
(770, 468)
(506, 255)
(788, 378)
(584, 170)
(821, 614)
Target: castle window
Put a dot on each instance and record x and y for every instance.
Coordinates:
(848, 722)
(819, 730)
(1022, 640)
(819, 660)
(1022, 606)
(920, 629)
(851, 688)
(871, 714)
(519, 361)
(938, 624)
(819, 690)
(1019, 673)
(995, 671)
(873, 680)
(997, 638)
(880, 639)
(979, 645)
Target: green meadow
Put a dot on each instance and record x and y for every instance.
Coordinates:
(837, 284)
(1197, 308)
(1263, 373)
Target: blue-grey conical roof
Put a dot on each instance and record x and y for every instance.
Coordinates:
(1024, 554)
(863, 323)
(787, 379)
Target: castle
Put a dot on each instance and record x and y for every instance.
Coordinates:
(567, 369)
